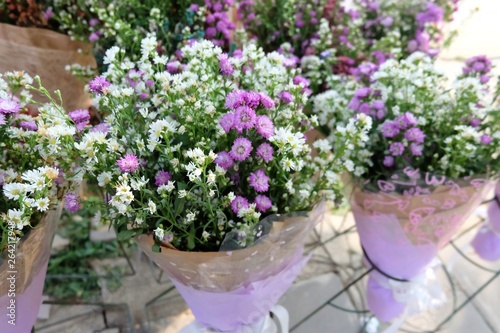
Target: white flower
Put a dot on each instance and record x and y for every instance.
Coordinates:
(205, 235)
(14, 190)
(103, 179)
(151, 207)
(182, 193)
(42, 204)
(231, 196)
(159, 233)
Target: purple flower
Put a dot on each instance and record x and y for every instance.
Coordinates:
(224, 160)
(241, 149)
(264, 126)
(93, 22)
(301, 80)
(387, 21)
(396, 148)
(388, 161)
(364, 108)
(194, 7)
(128, 163)
(227, 122)
(486, 139)
(72, 202)
(266, 101)
(252, 99)
(286, 97)
(3, 121)
(390, 129)
(234, 99)
(238, 203)
(354, 104)
(93, 37)
(174, 67)
(484, 79)
(415, 134)
(362, 93)
(244, 118)
(416, 149)
(259, 181)
(378, 104)
(99, 85)
(262, 203)
(265, 151)
(210, 32)
(226, 68)
(474, 122)
(406, 120)
(162, 178)
(80, 116)
(28, 125)
(9, 107)
(103, 127)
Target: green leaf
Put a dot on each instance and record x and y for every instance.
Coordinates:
(125, 234)
(156, 248)
(190, 239)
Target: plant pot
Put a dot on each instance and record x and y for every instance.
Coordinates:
(23, 279)
(47, 53)
(402, 224)
(232, 291)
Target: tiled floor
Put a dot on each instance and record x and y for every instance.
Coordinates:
(324, 277)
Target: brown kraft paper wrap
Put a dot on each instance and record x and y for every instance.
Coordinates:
(47, 53)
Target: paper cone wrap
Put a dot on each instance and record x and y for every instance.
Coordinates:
(31, 259)
(46, 53)
(403, 222)
(228, 290)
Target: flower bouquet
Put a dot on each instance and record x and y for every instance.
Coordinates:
(210, 169)
(30, 41)
(423, 168)
(36, 170)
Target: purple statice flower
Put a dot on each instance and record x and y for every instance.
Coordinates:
(387, 21)
(362, 93)
(259, 181)
(415, 134)
(3, 120)
(93, 22)
(128, 163)
(174, 67)
(478, 64)
(252, 99)
(265, 151)
(266, 101)
(432, 14)
(244, 118)
(225, 66)
(484, 78)
(29, 125)
(262, 203)
(378, 104)
(390, 129)
(238, 203)
(99, 85)
(396, 148)
(194, 7)
(354, 104)
(162, 178)
(227, 122)
(474, 122)
(416, 149)
(301, 80)
(486, 139)
(364, 70)
(264, 126)
(286, 97)
(406, 120)
(224, 160)
(80, 116)
(210, 32)
(103, 127)
(235, 99)
(241, 149)
(72, 202)
(388, 161)
(364, 108)
(93, 37)
(8, 106)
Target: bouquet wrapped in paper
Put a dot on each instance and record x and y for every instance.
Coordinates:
(486, 243)
(426, 159)
(38, 168)
(212, 150)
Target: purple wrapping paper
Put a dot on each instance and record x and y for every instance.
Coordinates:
(230, 290)
(486, 243)
(403, 222)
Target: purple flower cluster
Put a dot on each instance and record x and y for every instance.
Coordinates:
(478, 65)
(218, 27)
(80, 117)
(128, 163)
(162, 178)
(8, 107)
(99, 85)
(364, 71)
(300, 80)
(226, 68)
(404, 124)
(72, 202)
(361, 104)
(432, 14)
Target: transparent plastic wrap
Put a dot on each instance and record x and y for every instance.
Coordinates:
(486, 243)
(402, 223)
(233, 289)
(47, 53)
(23, 277)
